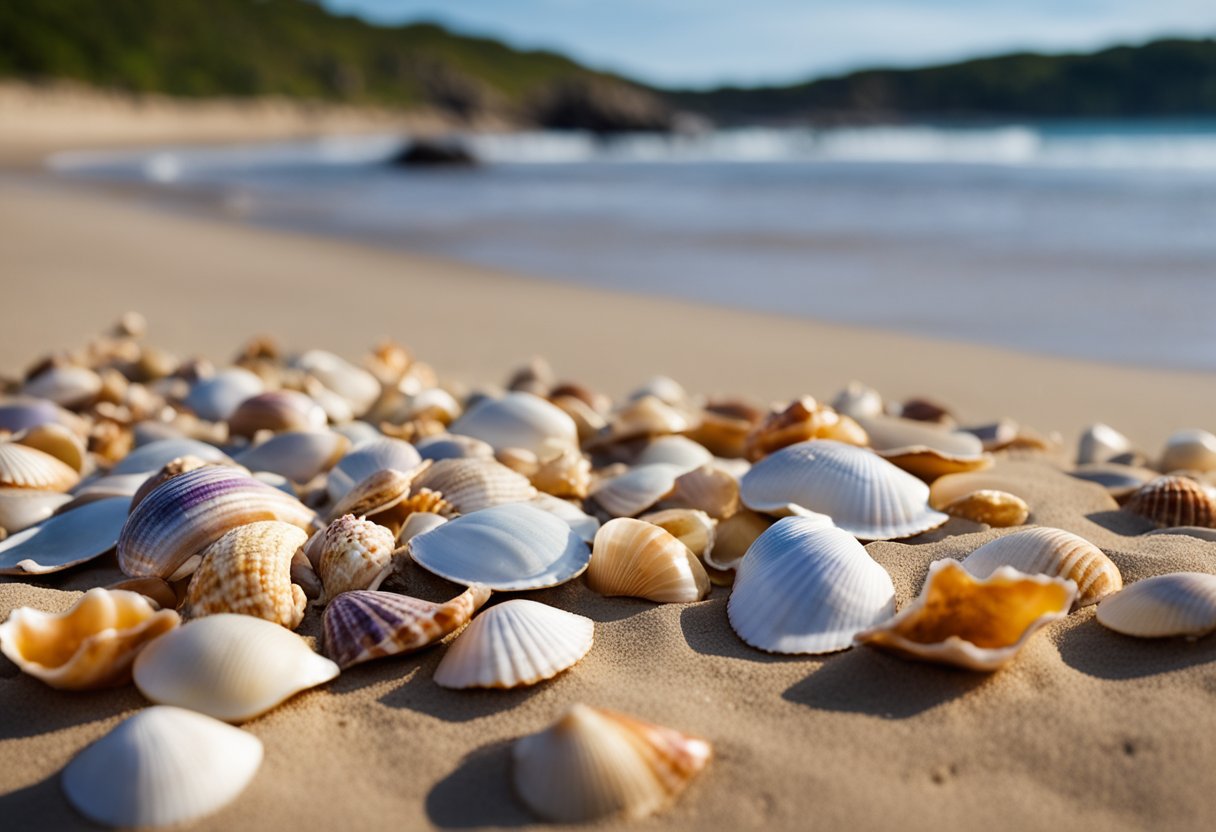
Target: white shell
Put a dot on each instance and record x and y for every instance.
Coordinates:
(517, 642)
(474, 484)
(66, 386)
(636, 490)
(231, 667)
(153, 456)
(215, 398)
(162, 766)
(297, 455)
(507, 548)
(367, 458)
(1099, 443)
(1177, 604)
(447, 446)
(1189, 449)
(858, 401)
(675, 450)
(417, 523)
(1055, 552)
(65, 539)
(583, 524)
(357, 386)
(519, 420)
(864, 494)
(805, 587)
(21, 508)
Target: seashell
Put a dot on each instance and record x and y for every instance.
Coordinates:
(356, 432)
(636, 490)
(157, 590)
(535, 377)
(507, 548)
(297, 455)
(24, 467)
(364, 625)
(448, 446)
(1099, 443)
(433, 403)
(647, 416)
(1120, 481)
(593, 763)
(474, 484)
(1177, 604)
(276, 410)
(24, 413)
(924, 450)
(170, 470)
(642, 560)
(1054, 552)
(695, 529)
(1189, 450)
(188, 513)
(357, 386)
(801, 420)
(976, 624)
(665, 389)
(58, 441)
(162, 766)
(587, 420)
(806, 587)
(996, 436)
(417, 523)
(378, 492)
(231, 667)
(581, 523)
(365, 459)
(92, 645)
(724, 426)
(155, 455)
(518, 460)
(248, 571)
(66, 386)
(953, 487)
(64, 540)
(1174, 501)
(708, 489)
(858, 401)
(216, 398)
(926, 410)
(674, 450)
(998, 509)
(733, 537)
(566, 475)
(21, 508)
(514, 644)
(519, 420)
(354, 554)
(864, 494)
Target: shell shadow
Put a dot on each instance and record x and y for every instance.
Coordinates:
(39, 806)
(32, 708)
(1121, 522)
(1104, 654)
(478, 793)
(418, 692)
(866, 681)
(707, 630)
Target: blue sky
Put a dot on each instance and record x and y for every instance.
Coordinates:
(707, 42)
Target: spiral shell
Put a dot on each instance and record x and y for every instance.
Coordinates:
(1054, 552)
(354, 554)
(636, 558)
(1174, 501)
(1177, 604)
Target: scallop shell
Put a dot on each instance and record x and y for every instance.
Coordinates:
(858, 401)
(354, 554)
(67, 386)
(1189, 450)
(297, 455)
(356, 386)
(65, 540)
(1099, 443)
(695, 529)
(25, 467)
(592, 763)
(162, 766)
(674, 450)
(190, 512)
(1174, 501)
(248, 571)
(361, 626)
(863, 494)
(994, 508)
(155, 455)
(806, 587)
(519, 420)
(975, 624)
(474, 484)
(276, 410)
(513, 644)
(447, 446)
(642, 560)
(59, 442)
(733, 537)
(925, 450)
(1177, 604)
(365, 459)
(508, 548)
(800, 421)
(21, 508)
(1053, 552)
(953, 487)
(231, 667)
(217, 397)
(636, 490)
(92, 645)
(174, 468)
(709, 489)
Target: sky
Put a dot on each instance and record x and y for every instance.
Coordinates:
(700, 43)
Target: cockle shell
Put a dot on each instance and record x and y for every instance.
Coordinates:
(733, 537)
(191, 511)
(994, 508)
(863, 494)
(695, 529)
(248, 571)
(925, 450)
(354, 554)
(674, 450)
(858, 401)
(447, 446)
(65, 540)
(365, 625)
(25, 467)
(217, 397)
(807, 587)
(976, 624)
(1177, 604)
(155, 455)
(1174, 501)
(709, 489)
(509, 548)
(519, 420)
(515, 643)
(21, 508)
(357, 386)
(642, 560)
(67, 386)
(58, 441)
(636, 490)
(800, 421)
(162, 766)
(365, 459)
(1054, 552)
(1099, 443)
(298, 455)
(593, 762)
(92, 645)
(1190, 449)
(276, 410)
(474, 484)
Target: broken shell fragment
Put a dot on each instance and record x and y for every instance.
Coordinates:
(1054, 552)
(1174, 501)
(1177, 604)
(65, 540)
(355, 554)
(642, 560)
(994, 508)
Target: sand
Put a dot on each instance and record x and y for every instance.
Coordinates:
(1086, 728)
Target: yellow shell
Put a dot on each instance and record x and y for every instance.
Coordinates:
(995, 508)
(248, 571)
(25, 467)
(639, 559)
(952, 487)
(708, 489)
(355, 554)
(695, 529)
(566, 475)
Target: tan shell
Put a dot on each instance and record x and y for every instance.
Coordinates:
(354, 554)
(25, 467)
(799, 421)
(695, 529)
(248, 571)
(276, 410)
(587, 420)
(925, 450)
(1054, 552)
(953, 487)
(708, 489)
(995, 508)
(1189, 449)
(724, 426)
(58, 441)
(474, 484)
(733, 537)
(1174, 501)
(92, 645)
(639, 559)
(566, 475)
(376, 493)
(646, 416)
(1177, 604)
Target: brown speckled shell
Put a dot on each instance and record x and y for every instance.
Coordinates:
(354, 553)
(248, 571)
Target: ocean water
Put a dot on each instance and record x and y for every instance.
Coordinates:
(1093, 240)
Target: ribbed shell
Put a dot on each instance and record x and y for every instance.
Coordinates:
(519, 420)
(639, 559)
(215, 398)
(277, 410)
(355, 554)
(58, 441)
(367, 458)
(593, 763)
(24, 467)
(365, 625)
(171, 469)
(297, 455)
(508, 548)
(92, 645)
(695, 529)
(191, 511)
(1177, 604)
(1054, 552)
(154, 455)
(65, 540)
(231, 667)
(515, 643)
(1190, 449)
(377, 492)
(636, 490)
(475, 484)
(708, 489)
(864, 494)
(162, 766)
(807, 587)
(1173, 501)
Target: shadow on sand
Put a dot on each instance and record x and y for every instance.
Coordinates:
(707, 630)
(1121, 522)
(31, 708)
(39, 806)
(478, 793)
(1094, 650)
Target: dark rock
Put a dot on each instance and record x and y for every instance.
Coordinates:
(601, 105)
(434, 152)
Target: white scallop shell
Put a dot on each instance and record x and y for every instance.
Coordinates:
(67, 386)
(1055, 552)
(637, 489)
(517, 642)
(863, 494)
(153, 456)
(365, 459)
(519, 420)
(1177, 604)
(162, 766)
(1189, 449)
(474, 484)
(232, 667)
(507, 548)
(675, 450)
(215, 398)
(1099, 443)
(64, 540)
(297, 455)
(805, 587)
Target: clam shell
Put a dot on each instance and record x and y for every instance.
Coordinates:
(65, 540)
(709, 489)
(593, 763)
(297, 455)
(474, 484)
(1054, 552)
(664, 388)
(357, 432)
(1174, 501)
(66, 386)
(354, 554)
(507, 548)
(188, 513)
(160, 767)
(863, 494)
(806, 587)
(216, 398)
(858, 401)
(25, 467)
(647, 416)
(642, 560)
(1190, 449)
(587, 420)
(971, 623)
(1177, 604)
(1099, 443)
(23, 413)
(59, 442)
(695, 529)
(994, 508)
(155, 455)
(519, 420)
(276, 410)
(923, 449)
(365, 459)
(674, 450)
(92, 645)
(171, 469)
(248, 571)
(21, 508)
(733, 537)
(231, 667)
(515, 643)
(357, 386)
(447, 446)
(361, 626)
(637, 489)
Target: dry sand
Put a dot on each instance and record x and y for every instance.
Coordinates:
(1085, 728)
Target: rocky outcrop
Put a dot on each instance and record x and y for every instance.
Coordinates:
(434, 153)
(600, 105)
